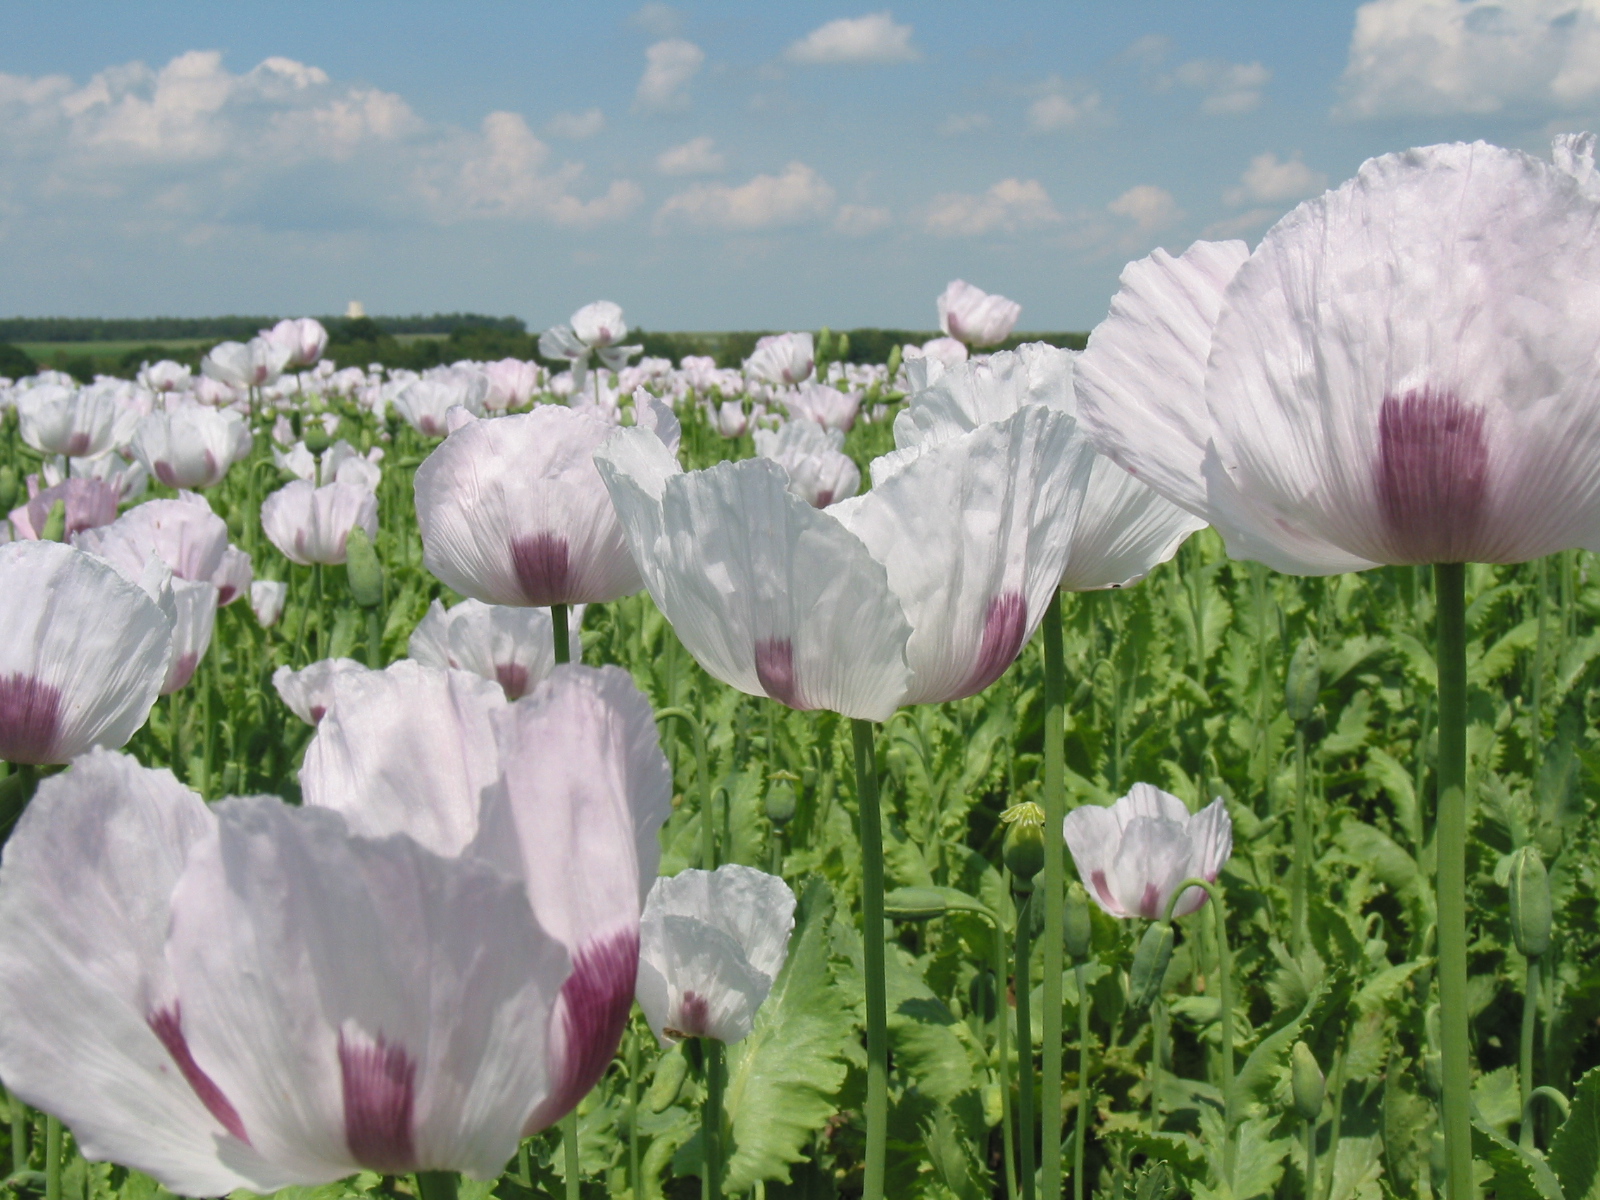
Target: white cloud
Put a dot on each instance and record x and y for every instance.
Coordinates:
(874, 38)
(669, 66)
(1063, 105)
(957, 124)
(858, 220)
(193, 147)
(1230, 88)
(1267, 180)
(1149, 207)
(1010, 206)
(1434, 57)
(576, 126)
(657, 19)
(797, 196)
(698, 156)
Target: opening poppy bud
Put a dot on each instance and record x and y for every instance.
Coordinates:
(1149, 969)
(1076, 930)
(1023, 851)
(55, 525)
(1306, 1082)
(780, 802)
(363, 570)
(1530, 902)
(893, 365)
(1304, 680)
(8, 488)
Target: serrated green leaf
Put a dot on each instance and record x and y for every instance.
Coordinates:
(1518, 1174)
(1575, 1148)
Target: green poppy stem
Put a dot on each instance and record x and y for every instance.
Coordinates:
(1053, 896)
(1027, 1130)
(872, 945)
(437, 1185)
(1219, 924)
(1083, 1083)
(52, 1158)
(560, 634)
(1450, 841)
(1530, 1013)
(711, 1117)
(569, 1144)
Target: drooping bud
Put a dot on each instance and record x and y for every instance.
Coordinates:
(1303, 681)
(1023, 851)
(1307, 1083)
(780, 800)
(363, 570)
(672, 1068)
(1530, 902)
(55, 525)
(1150, 961)
(915, 904)
(1077, 931)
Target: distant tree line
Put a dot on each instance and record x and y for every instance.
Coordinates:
(161, 329)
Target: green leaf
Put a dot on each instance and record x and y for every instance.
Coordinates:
(1518, 1174)
(782, 1078)
(1258, 1077)
(1575, 1148)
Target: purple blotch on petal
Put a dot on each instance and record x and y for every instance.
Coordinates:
(513, 678)
(593, 1011)
(30, 719)
(167, 1025)
(182, 672)
(165, 473)
(1150, 902)
(541, 564)
(694, 1016)
(775, 671)
(824, 498)
(211, 468)
(78, 445)
(379, 1081)
(1097, 880)
(1004, 625)
(1433, 468)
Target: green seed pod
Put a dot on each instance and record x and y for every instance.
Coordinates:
(1149, 970)
(672, 1068)
(823, 350)
(8, 488)
(1077, 930)
(841, 348)
(894, 362)
(363, 570)
(1304, 680)
(317, 439)
(1023, 850)
(1307, 1083)
(55, 525)
(780, 800)
(1530, 902)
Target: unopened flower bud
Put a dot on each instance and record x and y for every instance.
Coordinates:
(841, 349)
(1530, 902)
(780, 800)
(1077, 931)
(1307, 1082)
(915, 904)
(893, 365)
(1023, 851)
(55, 525)
(1150, 961)
(363, 570)
(1303, 681)
(824, 350)
(8, 488)
(317, 439)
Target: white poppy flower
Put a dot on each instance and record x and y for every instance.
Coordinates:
(1133, 855)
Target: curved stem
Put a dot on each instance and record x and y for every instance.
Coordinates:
(877, 1108)
(1052, 897)
(1563, 1105)
(1083, 1084)
(1530, 1012)
(1450, 841)
(1027, 1133)
(1219, 920)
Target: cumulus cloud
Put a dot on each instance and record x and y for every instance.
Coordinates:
(874, 38)
(1267, 180)
(1149, 207)
(576, 126)
(1229, 88)
(858, 220)
(191, 140)
(1010, 206)
(697, 156)
(1437, 57)
(1062, 105)
(796, 196)
(669, 66)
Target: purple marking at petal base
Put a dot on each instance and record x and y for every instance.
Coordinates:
(694, 1015)
(167, 1025)
(540, 562)
(1003, 628)
(1097, 880)
(1150, 902)
(182, 671)
(379, 1081)
(775, 672)
(824, 498)
(513, 679)
(30, 719)
(225, 595)
(211, 468)
(165, 473)
(591, 1015)
(318, 711)
(77, 445)
(1433, 468)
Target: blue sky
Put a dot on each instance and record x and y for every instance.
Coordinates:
(714, 165)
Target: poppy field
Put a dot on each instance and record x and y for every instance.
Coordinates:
(1166, 770)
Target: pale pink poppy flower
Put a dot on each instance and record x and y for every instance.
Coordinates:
(425, 403)
(1133, 855)
(267, 598)
(303, 338)
(253, 364)
(79, 423)
(711, 943)
(311, 524)
(83, 653)
(191, 446)
(515, 647)
(971, 315)
(166, 376)
(782, 358)
(512, 383)
(947, 352)
(731, 420)
(309, 691)
(819, 470)
(826, 405)
(248, 995)
(87, 504)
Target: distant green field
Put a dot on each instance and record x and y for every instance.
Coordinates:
(45, 351)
